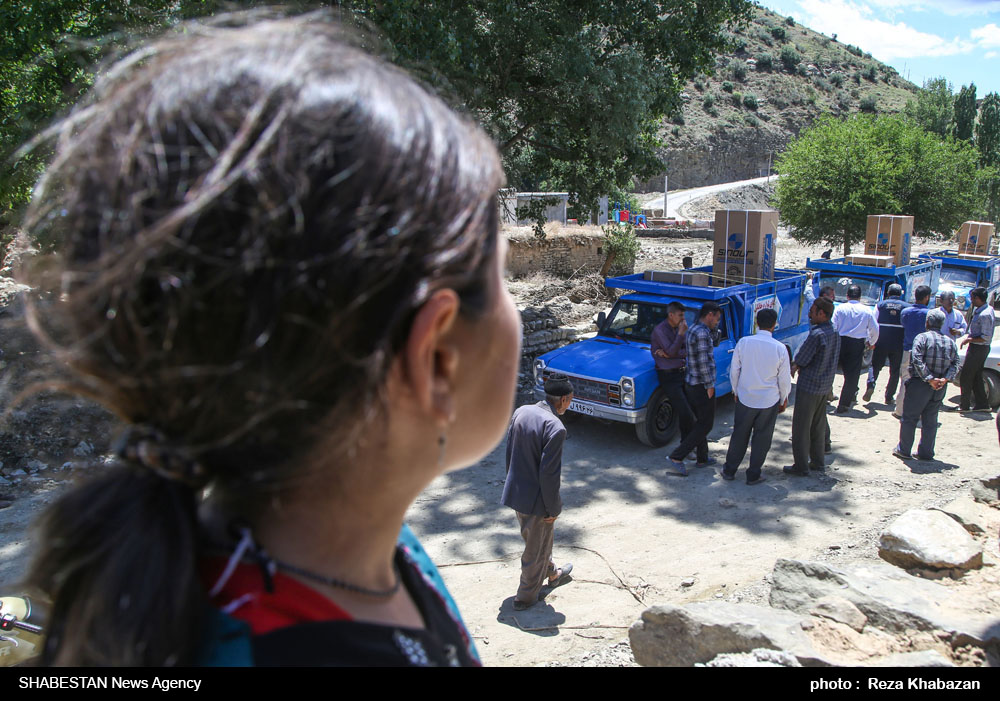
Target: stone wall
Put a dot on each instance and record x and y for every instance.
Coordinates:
(561, 254)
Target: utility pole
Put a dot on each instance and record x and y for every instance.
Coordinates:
(769, 154)
(666, 189)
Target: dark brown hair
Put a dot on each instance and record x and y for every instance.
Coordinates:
(247, 219)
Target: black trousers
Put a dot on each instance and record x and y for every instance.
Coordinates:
(892, 353)
(852, 353)
(972, 382)
(703, 408)
(672, 383)
(759, 422)
(809, 429)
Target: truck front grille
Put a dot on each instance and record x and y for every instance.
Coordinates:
(592, 390)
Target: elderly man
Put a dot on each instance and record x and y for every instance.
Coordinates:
(534, 471)
(954, 320)
(816, 363)
(889, 347)
(761, 384)
(669, 350)
(699, 387)
(933, 363)
(913, 319)
(979, 339)
(858, 330)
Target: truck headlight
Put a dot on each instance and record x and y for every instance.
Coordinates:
(628, 391)
(539, 368)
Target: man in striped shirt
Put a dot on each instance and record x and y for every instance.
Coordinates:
(933, 362)
(699, 387)
(816, 363)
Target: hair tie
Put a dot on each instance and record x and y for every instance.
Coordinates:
(146, 446)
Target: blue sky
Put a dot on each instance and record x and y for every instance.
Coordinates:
(957, 39)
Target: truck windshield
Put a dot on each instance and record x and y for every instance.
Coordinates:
(961, 276)
(635, 321)
(871, 290)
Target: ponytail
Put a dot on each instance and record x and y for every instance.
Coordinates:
(119, 562)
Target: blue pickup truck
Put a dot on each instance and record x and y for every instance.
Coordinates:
(613, 374)
(961, 275)
(873, 281)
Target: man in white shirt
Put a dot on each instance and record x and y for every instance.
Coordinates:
(858, 330)
(761, 380)
(954, 322)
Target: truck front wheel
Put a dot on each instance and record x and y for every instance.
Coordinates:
(660, 424)
(992, 388)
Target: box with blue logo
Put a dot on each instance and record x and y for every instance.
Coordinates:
(744, 246)
(974, 238)
(889, 235)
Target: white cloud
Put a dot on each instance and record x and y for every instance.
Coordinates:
(948, 7)
(990, 54)
(854, 23)
(988, 37)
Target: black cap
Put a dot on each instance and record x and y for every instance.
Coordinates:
(558, 386)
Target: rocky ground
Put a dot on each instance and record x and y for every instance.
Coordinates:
(638, 535)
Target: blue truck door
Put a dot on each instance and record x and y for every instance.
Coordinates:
(724, 351)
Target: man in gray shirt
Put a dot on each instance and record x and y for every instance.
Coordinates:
(979, 339)
(534, 471)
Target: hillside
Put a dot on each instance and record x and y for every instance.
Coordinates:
(779, 79)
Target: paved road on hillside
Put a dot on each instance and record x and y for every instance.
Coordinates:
(681, 197)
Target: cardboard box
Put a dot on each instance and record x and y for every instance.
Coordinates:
(889, 235)
(744, 247)
(974, 238)
(872, 261)
(680, 277)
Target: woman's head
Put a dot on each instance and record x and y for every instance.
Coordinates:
(254, 223)
(250, 217)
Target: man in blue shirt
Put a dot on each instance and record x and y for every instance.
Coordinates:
(816, 364)
(699, 387)
(914, 321)
(890, 342)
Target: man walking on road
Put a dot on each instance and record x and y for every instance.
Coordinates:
(534, 471)
(669, 349)
(816, 363)
(761, 384)
(914, 321)
(858, 330)
(933, 363)
(890, 342)
(979, 339)
(699, 387)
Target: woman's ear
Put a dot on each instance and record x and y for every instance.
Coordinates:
(429, 360)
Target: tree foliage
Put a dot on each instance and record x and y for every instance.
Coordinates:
(573, 91)
(965, 112)
(988, 144)
(838, 172)
(47, 53)
(934, 107)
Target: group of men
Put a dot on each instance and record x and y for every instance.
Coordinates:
(917, 343)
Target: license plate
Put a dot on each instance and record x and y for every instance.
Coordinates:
(581, 408)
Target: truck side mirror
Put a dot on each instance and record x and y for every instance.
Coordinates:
(601, 318)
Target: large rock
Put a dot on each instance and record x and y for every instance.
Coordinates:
(967, 512)
(675, 636)
(756, 658)
(890, 598)
(927, 538)
(987, 490)
(839, 609)
(921, 658)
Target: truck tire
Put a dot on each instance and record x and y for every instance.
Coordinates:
(661, 421)
(992, 388)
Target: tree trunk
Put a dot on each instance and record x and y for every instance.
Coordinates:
(607, 263)
(847, 245)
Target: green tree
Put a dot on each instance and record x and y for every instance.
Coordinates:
(48, 49)
(573, 91)
(988, 143)
(838, 172)
(934, 107)
(965, 113)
